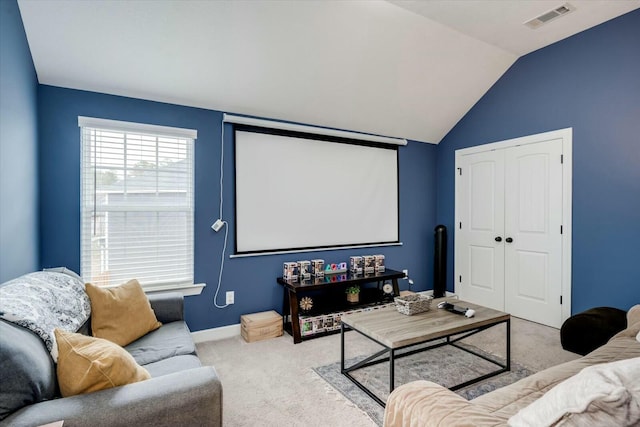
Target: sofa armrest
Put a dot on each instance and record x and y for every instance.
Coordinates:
(633, 323)
(168, 306)
(633, 315)
(191, 397)
(423, 403)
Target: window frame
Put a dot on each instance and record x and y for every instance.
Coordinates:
(187, 287)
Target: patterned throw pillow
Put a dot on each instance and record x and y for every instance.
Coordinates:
(43, 301)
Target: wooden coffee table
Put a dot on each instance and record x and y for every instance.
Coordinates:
(395, 331)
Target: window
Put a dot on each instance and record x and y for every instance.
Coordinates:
(136, 203)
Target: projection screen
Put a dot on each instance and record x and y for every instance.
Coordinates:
(302, 192)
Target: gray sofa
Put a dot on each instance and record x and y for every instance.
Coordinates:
(180, 392)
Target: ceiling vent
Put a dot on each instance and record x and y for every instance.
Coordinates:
(549, 16)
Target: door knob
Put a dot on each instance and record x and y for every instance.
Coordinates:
(508, 240)
(498, 239)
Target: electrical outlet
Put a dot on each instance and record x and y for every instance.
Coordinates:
(406, 273)
(230, 297)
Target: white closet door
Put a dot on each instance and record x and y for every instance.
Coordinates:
(533, 217)
(480, 207)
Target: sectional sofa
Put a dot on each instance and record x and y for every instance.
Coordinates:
(180, 392)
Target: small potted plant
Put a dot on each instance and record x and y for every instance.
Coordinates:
(353, 293)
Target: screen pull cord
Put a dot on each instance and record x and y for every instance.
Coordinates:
(220, 222)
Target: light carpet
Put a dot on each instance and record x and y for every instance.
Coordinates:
(446, 365)
(271, 382)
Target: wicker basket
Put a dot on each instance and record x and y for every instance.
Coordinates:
(413, 304)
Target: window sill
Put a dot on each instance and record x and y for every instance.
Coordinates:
(186, 290)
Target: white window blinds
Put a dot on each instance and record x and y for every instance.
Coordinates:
(136, 203)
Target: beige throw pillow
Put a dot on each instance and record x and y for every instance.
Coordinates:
(121, 314)
(87, 364)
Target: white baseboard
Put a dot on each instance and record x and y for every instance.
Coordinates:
(214, 334)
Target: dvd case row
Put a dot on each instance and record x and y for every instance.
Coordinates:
(366, 264)
(311, 325)
(305, 269)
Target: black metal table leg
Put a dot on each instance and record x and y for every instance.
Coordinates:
(508, 344)
(392, 379)
(342, 348)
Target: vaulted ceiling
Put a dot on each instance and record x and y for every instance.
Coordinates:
(408, 69)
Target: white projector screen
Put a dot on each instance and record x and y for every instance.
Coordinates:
(298, 192)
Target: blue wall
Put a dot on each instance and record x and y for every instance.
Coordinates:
(253, 279)
(590, 82)
(18, 148)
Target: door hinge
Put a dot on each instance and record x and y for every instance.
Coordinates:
(560, 229)
(460, 279)
(560, 299)
(460, 225)
(460, 171)
(561, 158)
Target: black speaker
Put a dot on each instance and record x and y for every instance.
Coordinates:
(440, 262)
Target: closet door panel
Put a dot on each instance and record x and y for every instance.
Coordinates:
(533, 244)
(479, 257)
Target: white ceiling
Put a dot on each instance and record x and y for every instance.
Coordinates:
(500, 22)
(408, 69)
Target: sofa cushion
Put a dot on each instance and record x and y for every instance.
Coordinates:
(425, 403)
(605, 394)
(121, 314)
(172, 365)
(87, 364)
(28, 372)
(43, 301)
(172, 339)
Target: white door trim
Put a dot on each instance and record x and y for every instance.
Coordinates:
(567, 151)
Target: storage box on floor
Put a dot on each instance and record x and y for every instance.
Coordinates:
(260, 326)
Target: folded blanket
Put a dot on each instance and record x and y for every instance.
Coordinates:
(43, 301)
(607, 394)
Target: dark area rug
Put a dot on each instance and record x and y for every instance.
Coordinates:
(446, 365)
